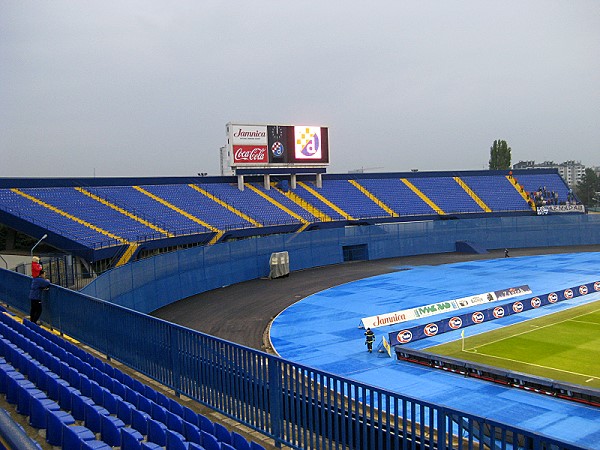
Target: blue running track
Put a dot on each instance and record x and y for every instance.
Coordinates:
(322, 331)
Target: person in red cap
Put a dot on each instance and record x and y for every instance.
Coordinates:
(36, 267)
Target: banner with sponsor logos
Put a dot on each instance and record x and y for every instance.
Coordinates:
(560, 209)
(264, 145)
(441, 307)
(459, 321)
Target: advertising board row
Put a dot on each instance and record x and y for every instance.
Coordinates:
(559, 209)
(263, 145)
(432, 309)
(460, 321)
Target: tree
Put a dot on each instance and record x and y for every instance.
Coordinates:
(500, 156)
(588, 186)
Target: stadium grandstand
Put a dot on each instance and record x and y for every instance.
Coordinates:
(134, 246)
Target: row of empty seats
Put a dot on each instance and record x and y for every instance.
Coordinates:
(83, 403)
(119, 214)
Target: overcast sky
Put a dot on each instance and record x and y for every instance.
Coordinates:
(145, 88)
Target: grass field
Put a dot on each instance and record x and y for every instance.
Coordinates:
(562, 346)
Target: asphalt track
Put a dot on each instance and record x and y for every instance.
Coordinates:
(242, 312)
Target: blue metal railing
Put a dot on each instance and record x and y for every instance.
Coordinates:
(293, 404)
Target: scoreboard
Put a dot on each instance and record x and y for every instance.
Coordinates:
(277, 145)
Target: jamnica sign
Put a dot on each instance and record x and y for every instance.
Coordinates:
(250, 154)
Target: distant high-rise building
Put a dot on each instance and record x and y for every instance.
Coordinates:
(570, 171)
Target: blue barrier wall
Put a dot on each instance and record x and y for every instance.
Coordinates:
(294, 404)
(149, 284)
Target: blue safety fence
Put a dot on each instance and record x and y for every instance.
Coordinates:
(292, 403)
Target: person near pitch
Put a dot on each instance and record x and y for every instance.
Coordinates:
(369, 339)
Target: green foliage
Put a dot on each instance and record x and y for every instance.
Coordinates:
(500, 157)
(588, 186)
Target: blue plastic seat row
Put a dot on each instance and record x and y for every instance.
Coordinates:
(90, 394)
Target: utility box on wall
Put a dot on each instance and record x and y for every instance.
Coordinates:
(279, 265)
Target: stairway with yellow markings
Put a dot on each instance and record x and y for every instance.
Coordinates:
(162, 201)
(472, 194)
(423, 197)
(336, 208)
(374, 199)
(128, 254)
(522, 193)
(225, 205)
(123, 211)
(320, 215)
(70, 216)
(274, 202)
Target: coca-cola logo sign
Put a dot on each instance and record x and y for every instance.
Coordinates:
(250, 154)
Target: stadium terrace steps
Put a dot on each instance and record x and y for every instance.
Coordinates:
(498, 193)
(423, 197)
(313, 212)
(103, 218)
(311, 195)
(68, 215)
(277, 204)
(225, 205)
(375, 200)
(520, 190)
(176, 209)
(78, 399)
(123, 211)
(472, 194)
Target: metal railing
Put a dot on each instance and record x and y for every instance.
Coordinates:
(294, 404)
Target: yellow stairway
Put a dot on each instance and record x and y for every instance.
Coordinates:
(304, 205)
(225, 205)
(336, 208)
(123, 211)
(274, 202)
(522, 193)
(423, 197)
(472, 194)
(374, 199)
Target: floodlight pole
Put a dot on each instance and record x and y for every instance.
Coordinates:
(37, 243)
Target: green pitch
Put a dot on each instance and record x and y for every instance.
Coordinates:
(562, 346)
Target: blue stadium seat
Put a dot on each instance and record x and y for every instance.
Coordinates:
(130, 439)
(175, 441)
(74, 435)
(78, 403)
(163, 400)
(209, 442)
(95, 445)
(174, 422)
(255, 446)
(124, 410)
(239, 442)
(54, 429)
(110, 430)
(92, 416)
(139, 421)
(175, 407)
(157, 432)
(222, 434)
(205, 424)
(157, 412)
(39, 409)
(192, 433)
